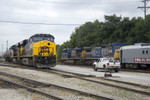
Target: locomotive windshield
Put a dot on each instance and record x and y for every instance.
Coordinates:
(48, 39)
(116, 46)
(41, 38)
(36, 39)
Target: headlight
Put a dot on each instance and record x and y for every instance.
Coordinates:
(40, 53)
(44, 43)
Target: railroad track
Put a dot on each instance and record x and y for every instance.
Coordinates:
(124, 69)
(132, 87)
(136, 70)
(53, 91)
(141, 89)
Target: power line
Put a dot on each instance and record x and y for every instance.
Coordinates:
(44, 1)
(33, 23)
(145, 7)
(22, 14)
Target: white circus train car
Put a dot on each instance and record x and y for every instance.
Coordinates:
(135, 56)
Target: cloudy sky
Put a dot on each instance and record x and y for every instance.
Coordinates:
(57, 17)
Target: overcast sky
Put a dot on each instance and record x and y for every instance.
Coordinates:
(57, 17)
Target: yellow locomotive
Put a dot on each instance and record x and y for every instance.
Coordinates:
(117, 54)
(38, 51)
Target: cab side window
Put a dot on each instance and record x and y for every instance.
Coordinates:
(143, 52)
(98, 60)
(30, 40)
(146, 51)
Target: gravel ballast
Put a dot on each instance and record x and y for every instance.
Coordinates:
(76, 84)
(8, 92)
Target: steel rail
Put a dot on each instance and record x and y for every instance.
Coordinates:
(30, 89)
(81, 76)
(49, 84)
(112, 80)
(122, 69)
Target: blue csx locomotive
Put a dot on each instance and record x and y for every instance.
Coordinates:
(88, 55)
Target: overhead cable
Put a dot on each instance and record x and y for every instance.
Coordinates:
(44, 1)
(54, 24)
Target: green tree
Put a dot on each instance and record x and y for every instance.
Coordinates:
(114, 29)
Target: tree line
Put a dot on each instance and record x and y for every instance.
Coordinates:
(115, 29)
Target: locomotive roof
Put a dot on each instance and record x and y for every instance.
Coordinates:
(137, 46)
(24, 42)
(41, 35)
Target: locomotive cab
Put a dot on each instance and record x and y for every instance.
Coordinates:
(44, 51)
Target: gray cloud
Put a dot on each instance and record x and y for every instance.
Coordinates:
(44, 12)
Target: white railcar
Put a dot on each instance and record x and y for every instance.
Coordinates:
(137, 55)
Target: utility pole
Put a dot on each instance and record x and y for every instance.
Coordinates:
(2, 51)
(145, 7)
(6, 45)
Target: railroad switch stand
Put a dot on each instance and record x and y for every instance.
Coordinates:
(107, 72)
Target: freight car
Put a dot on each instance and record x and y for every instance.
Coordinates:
(88, 55)
(38, 51)
(135, 56)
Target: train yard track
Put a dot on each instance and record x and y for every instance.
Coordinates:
(136, 70)
(25, 83)
(124, 69)
(132, 87)
(48, 88)
(78, 75)
(142, 89)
